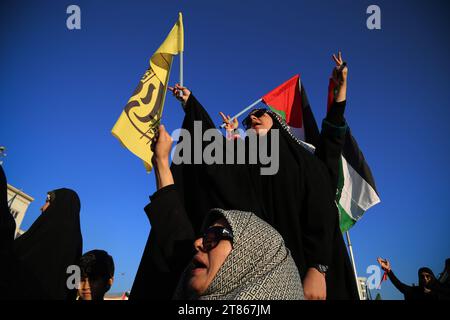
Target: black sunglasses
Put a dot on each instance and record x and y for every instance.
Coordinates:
(247, 122)
(213, 235)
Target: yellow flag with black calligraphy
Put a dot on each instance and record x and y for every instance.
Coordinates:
(140, 118)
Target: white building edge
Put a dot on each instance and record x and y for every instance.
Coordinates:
(18, 201)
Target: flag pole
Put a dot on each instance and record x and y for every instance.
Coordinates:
(181, 63)
(181, 68)
(243, 111)
(352, 257)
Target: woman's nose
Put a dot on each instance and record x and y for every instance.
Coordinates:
(84, 285)
(198, 244)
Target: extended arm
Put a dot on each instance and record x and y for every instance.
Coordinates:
(169, 247)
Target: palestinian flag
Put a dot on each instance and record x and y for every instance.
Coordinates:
(356, 188)
(290, 102)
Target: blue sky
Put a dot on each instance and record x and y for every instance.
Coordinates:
(61, 92)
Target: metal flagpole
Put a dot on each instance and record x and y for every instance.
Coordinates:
(352, 257)
(243, 111)
(181, 68)
(181, 64)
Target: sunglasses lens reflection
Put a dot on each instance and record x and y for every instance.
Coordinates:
(247, 122)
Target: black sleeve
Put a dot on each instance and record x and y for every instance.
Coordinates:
(403, 288)
(194, 111)
(440, 289)
(335, 115)
(331, 142)
(168, 250)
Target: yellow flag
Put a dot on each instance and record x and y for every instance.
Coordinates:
(139, 121)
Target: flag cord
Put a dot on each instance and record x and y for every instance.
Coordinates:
(352, 257)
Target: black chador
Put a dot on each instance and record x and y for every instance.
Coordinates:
(51, 245)
(298, 201)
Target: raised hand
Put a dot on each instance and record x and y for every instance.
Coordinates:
(339, 76)
(385, 264)
(340, 72)
(161, 145)
(229, 125)
(181, 93)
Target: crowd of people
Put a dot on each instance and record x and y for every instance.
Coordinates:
(298, 202)
(218, 231)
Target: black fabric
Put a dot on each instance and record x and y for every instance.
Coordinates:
(50, 245)
(7, 229)
(298, 201)
(340, 277)
(16, 277)
(7, 223)
(355, 158)
(203, 186)
(439, 289)
(442, 289)
(444, 277)
(311, 130)
(426, 270)
(442, 285)
(411, 292)
(335, 115)
(168, 250)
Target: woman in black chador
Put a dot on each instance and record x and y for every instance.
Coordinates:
(298, 201)
(50, 245)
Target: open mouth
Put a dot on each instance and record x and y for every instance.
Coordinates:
(198, 264)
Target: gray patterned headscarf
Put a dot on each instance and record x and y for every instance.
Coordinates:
(259, 267)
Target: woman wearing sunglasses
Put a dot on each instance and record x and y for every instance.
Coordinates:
(240, 257)
(236, 254)
(298, 201)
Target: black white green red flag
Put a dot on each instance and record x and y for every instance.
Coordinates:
(356, 189)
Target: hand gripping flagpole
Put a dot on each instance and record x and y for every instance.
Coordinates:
(243, 111)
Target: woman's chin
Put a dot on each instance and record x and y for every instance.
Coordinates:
(260, 131)
(197, 285)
